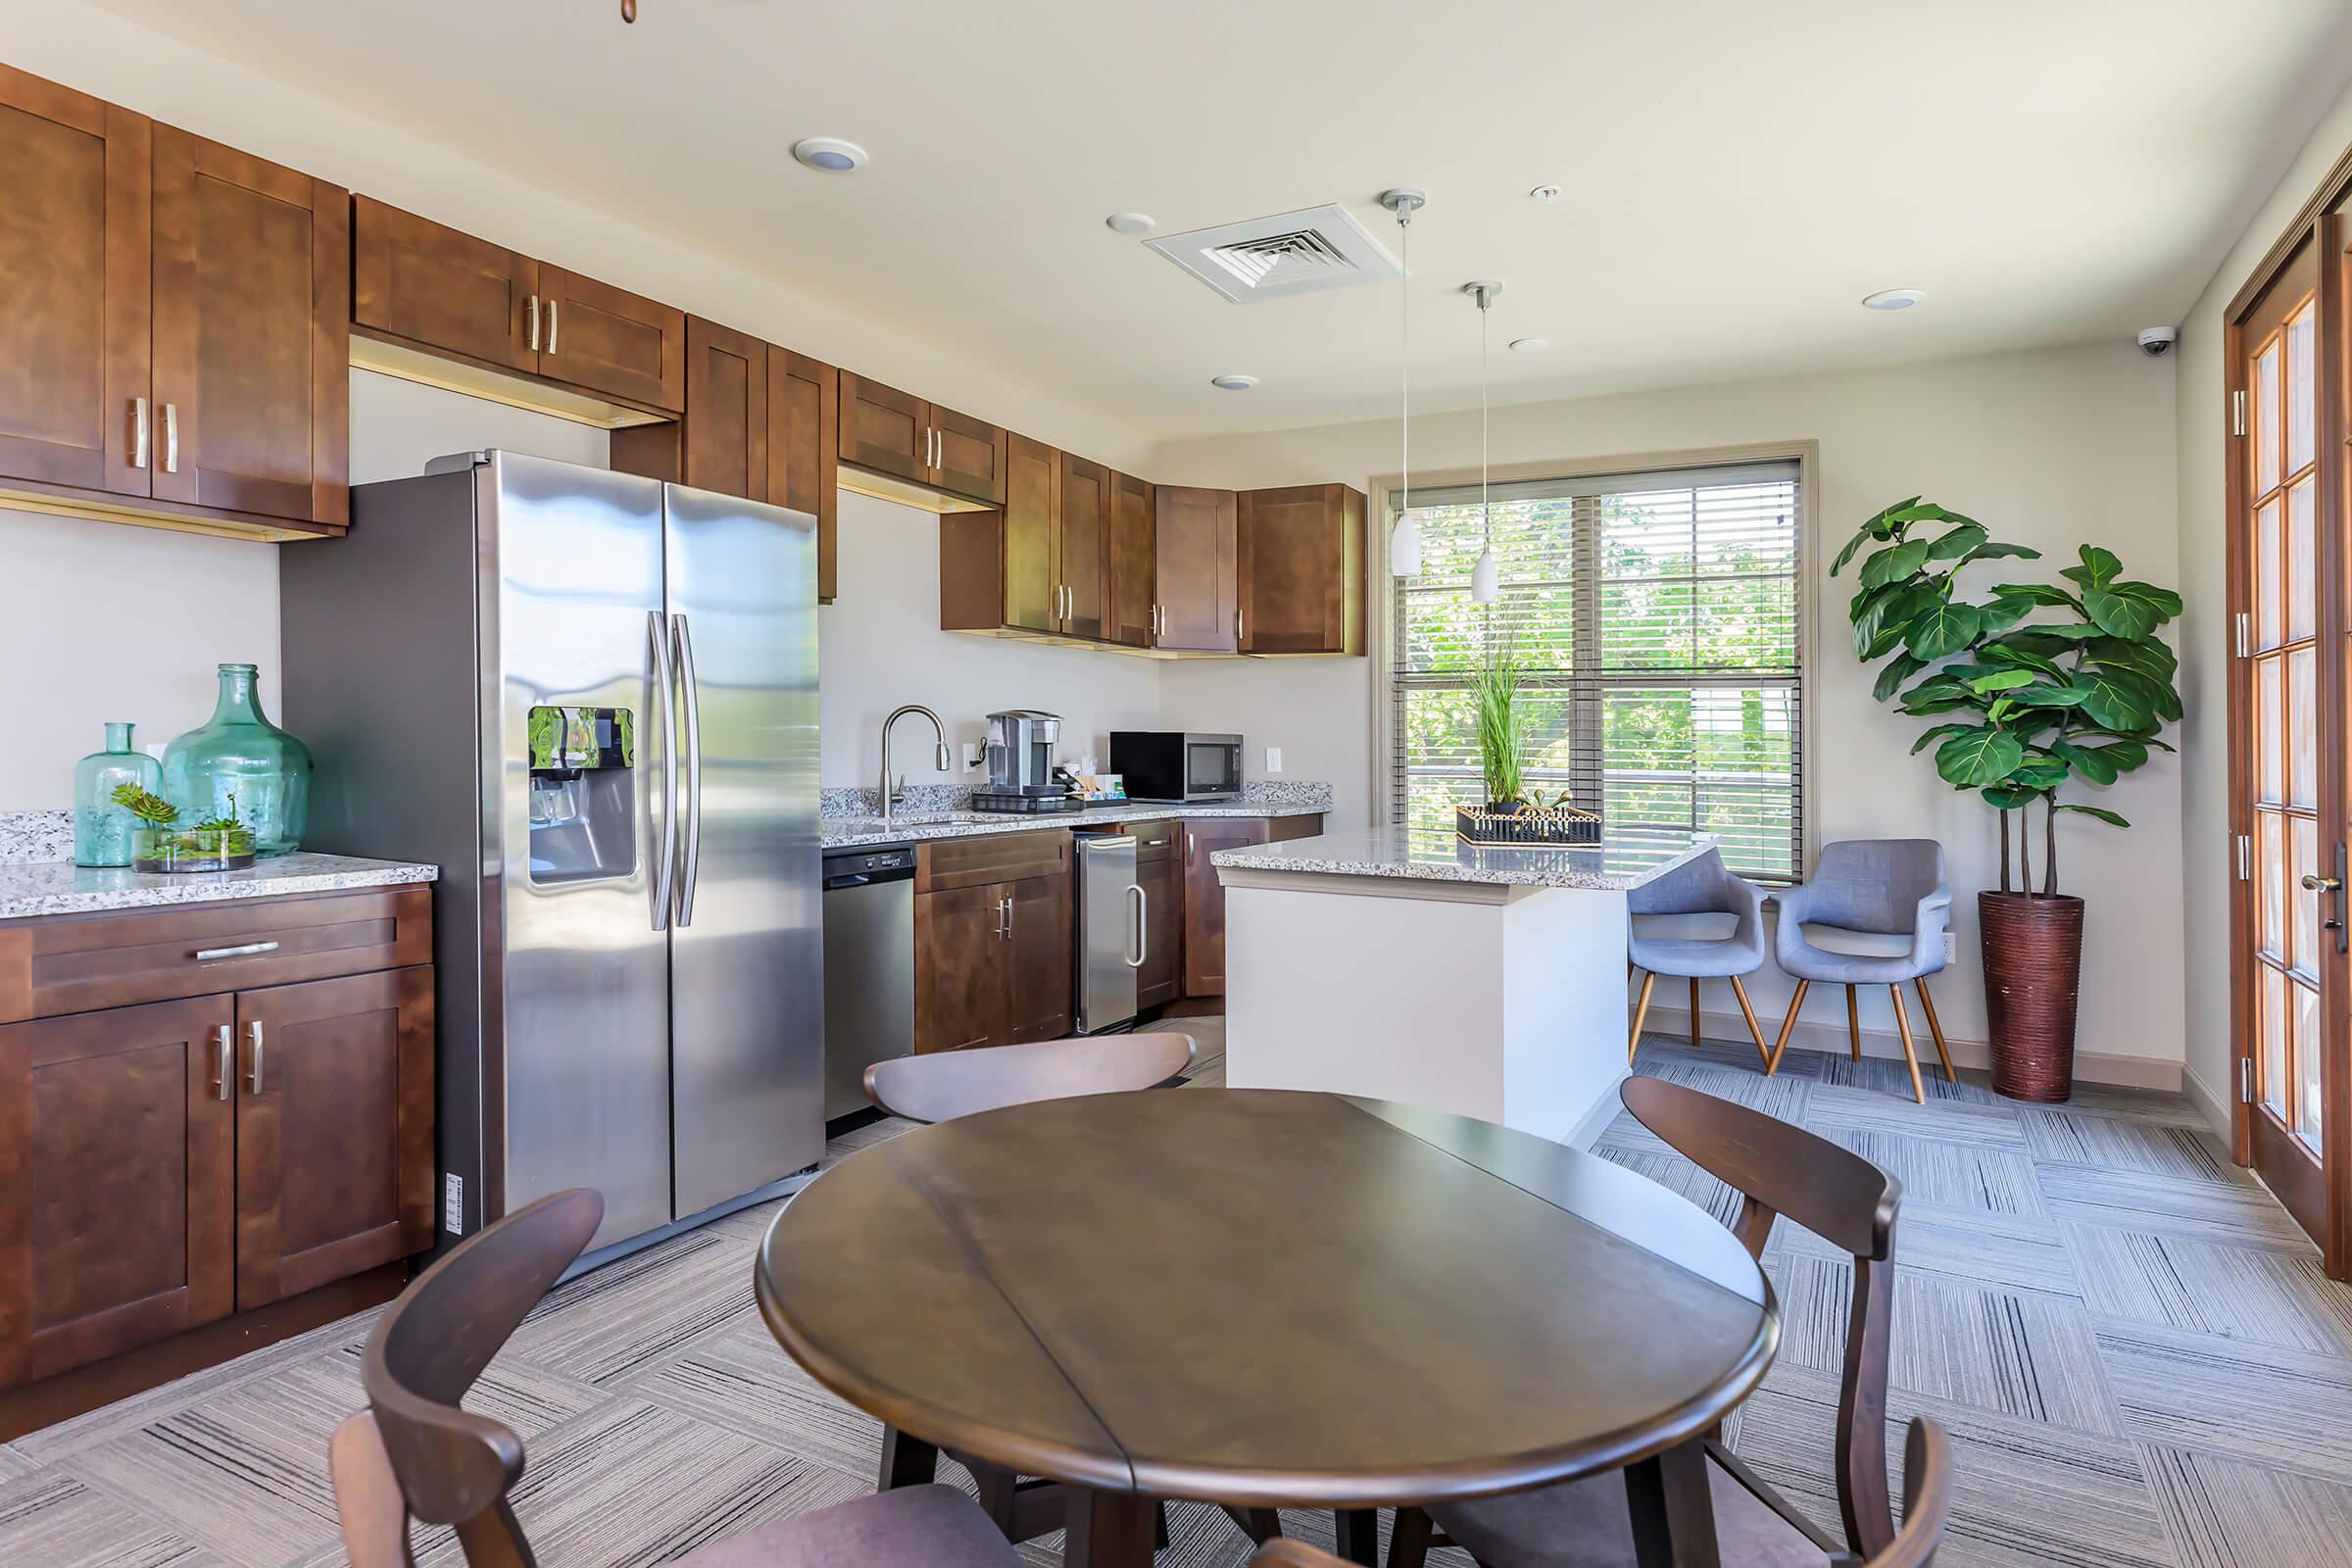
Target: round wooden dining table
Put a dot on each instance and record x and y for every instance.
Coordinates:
(1267, 1299)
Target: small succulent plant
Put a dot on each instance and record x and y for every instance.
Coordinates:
(147, 807)
(222, 824)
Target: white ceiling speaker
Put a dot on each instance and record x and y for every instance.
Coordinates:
(1130, 222)
(830, 155)
(1233, 384)
(1530, 345)
(1545, 193)
(1893, 299)
(1289, 253)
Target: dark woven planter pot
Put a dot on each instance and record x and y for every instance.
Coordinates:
(2032, 971)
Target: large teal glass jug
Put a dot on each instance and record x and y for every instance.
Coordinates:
(241, 765)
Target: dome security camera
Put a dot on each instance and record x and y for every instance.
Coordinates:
(2157, 341)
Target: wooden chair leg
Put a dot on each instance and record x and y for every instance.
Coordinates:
(1160, 1530)
(1694, 1011)
(1854, 1022)
(1788, 1027)
(1409, 1542)
(1902, 1026)
(1641, 1012)
(1260, 1525)
(1927, 1004)
(1747, 1009)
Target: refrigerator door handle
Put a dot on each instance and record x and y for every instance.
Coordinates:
(691, 871)
(666, 726)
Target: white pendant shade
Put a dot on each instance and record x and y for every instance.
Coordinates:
(1486, 578)
(1404, 547)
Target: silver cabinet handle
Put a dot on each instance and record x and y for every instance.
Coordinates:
(1134, 899)
(171, 438)
(245, 950)
(252, 1032)
(1237, 638)
(665, 722)
(694, 770)
(534, 308)
(224, 1069)
(1191, 845)
(553, 324)
(138, 433)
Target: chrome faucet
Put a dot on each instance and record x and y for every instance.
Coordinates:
(939, 733)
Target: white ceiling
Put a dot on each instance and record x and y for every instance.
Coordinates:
(1736, 175)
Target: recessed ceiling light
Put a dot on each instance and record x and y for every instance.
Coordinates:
(1545, 193)
(1129, 222)
(1893, 299)
(1233, 384)
(1530, 345)
(830, 155)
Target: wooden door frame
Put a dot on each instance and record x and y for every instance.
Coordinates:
(2322, 227)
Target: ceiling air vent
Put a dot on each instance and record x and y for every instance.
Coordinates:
(1289, 253)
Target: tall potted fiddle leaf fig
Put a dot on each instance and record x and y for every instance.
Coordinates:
(2040, 689)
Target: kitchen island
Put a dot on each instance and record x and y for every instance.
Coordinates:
(1408, 966)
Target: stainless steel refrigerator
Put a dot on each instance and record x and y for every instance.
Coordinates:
(591, 699)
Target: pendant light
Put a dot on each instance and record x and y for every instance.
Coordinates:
(1486, 578)
(1404, 540)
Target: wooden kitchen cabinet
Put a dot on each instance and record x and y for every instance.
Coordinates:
(1205, 895)
(428, 284)
(1300, 575)
(175, 320)
(1132, 612)
(933, 449)
(803, 452)
(1000, 569)
(1193, 545)
(217, 1114)
(992, 940)
(611, 341)
(1159, 872)
(1082, 545)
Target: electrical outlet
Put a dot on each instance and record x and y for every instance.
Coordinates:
(1273, 759)
(1951, 946)
(453, 1203)
(974, 753)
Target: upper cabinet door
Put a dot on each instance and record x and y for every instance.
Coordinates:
(1032, 535)
(74, 287)
(803, 452)
(419, 281)
(1193, 534)
(608, 340)
(1301, 569)
(885, 430)
(1085, 535)
(1133, 613)
(252, 327)
(725, 431)
(967, 455)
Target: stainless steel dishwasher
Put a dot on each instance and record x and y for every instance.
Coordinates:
(869, 967)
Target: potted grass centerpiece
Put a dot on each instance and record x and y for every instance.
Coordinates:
(160, 843)
(1512, 814)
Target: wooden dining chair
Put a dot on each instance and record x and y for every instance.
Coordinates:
(1926, 1506)
(1836, 1194)
(942, 1085)
(416, 1452)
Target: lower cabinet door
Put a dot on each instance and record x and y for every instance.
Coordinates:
(334, 1100)
(1038, 957)
(1160, 978)
(1205, 896)
(116, 1182)
(959, 967)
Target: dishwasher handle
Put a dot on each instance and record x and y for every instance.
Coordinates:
(868, 879)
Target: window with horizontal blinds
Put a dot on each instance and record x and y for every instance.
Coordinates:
(1656, 616)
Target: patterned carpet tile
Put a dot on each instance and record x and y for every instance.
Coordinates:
(634, 1313)
(2225, 1514)
(738, 1378)
(2259, 1404)
(1783, 1095)
(1963, 1120)
(1967, 1178)
(55, 1517)
(2268, 1295)
(1887, 1075)
(2009, 1253)
(2233, 1214)
(2112, 1143)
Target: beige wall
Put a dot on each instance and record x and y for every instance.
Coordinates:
(2202, 447)
(2051, 449)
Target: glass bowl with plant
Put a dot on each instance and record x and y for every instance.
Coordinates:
(161, 843)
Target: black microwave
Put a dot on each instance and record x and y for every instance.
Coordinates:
(1160, 765)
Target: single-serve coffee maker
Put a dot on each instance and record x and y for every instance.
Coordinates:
(1020, 752)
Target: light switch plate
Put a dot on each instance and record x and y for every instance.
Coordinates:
(453, 1203)
(1951, 946)
(1273, 759)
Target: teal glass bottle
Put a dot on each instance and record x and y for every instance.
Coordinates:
(241, 765)
(102, 829)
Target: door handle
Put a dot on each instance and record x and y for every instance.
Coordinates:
(2320, 884)
(223, 1061)
(665, 723)
(1136, 909)
(252, 1032)
(534, 308)
(171, 438)
(692, 872)
(551, 324)
(2333, 886)
(138, 433)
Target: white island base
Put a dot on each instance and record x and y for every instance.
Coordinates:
(1491, 984)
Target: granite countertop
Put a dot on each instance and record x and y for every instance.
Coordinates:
(1619, 863)
(30, 888)
(911, 827)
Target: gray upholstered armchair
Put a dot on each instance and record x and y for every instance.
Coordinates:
(1702, 885)
(1866, 888)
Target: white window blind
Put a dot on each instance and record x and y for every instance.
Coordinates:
(1657, 617)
